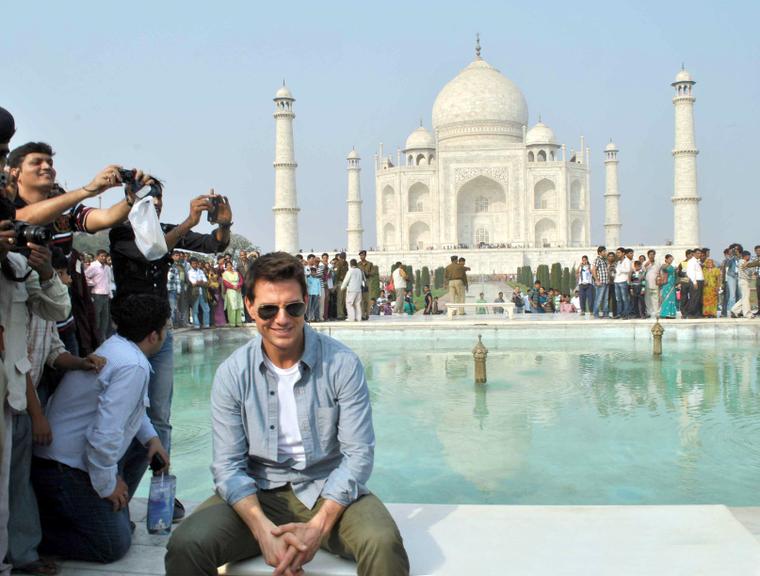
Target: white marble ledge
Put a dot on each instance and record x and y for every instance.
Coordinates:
(583, 540)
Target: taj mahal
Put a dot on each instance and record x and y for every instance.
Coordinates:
(485, 184)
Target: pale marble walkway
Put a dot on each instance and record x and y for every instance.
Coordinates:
(541, 540)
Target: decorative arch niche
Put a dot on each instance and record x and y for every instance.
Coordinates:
(546, 233)
(544, 195)
(418, 198)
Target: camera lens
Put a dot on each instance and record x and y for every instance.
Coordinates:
(35, 234)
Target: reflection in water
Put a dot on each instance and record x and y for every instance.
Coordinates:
(594, 422)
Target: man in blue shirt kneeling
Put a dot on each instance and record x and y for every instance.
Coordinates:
(293, 447)
(82, 481)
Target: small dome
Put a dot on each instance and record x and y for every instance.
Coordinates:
(611, 146)
(353, 155)
(480, 94)
(420, 139)
(284, 92)
(683, 76)
(540, 134)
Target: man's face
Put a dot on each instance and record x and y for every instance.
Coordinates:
(697, 254)
(283, 332)
(194, 264)
(362, 257)
(175, 256)
(102, 258)
(757, 252)
(325, 258)
(619, 254)
(36, 172)
(651, 256)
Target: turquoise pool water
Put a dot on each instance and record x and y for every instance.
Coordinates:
(562, 422)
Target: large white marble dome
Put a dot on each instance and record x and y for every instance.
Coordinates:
(480, 177)
(480, 95)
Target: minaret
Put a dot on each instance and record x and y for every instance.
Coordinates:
(285, 199)
(611, 198)
(354, 202)
(685, 196)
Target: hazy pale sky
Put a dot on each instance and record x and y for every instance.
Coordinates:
(184, 89)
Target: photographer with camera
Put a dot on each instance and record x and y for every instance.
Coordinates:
(27, 284)
(42, 202)
(135, 274)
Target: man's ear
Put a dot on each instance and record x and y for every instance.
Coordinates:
(250, 307)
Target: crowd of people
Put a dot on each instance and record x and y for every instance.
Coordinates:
(621, 285)
(82, 333)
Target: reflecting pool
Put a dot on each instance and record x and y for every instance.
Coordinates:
(559, 422)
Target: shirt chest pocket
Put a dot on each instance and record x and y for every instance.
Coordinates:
(327, 426)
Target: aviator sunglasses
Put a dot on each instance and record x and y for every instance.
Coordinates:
(269, 311)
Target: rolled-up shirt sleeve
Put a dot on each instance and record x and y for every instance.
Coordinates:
(229, 442)
(356, 437)
(106, 434)
(146, 430)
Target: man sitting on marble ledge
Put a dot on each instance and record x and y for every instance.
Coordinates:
(293, 447)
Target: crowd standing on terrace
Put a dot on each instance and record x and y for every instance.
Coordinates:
(619, 284)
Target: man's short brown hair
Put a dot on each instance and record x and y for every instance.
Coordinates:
(274, 267)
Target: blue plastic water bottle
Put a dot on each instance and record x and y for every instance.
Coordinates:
(161, 503)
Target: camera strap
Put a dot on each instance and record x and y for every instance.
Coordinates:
(10, 273)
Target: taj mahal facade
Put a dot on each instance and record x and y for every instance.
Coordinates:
(485, 185)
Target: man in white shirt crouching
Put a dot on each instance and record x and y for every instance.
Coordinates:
(83, 486)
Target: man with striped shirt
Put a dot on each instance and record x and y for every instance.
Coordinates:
(41, 201)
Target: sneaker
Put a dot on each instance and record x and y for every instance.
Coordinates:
(179, 511)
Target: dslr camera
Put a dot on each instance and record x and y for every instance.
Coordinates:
(25, 232)
(128, 179)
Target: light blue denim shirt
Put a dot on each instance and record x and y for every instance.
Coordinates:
(334, 417)
(95, 416)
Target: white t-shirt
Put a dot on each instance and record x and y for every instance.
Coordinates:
(289, 441)
(399, 282)
(623, 270)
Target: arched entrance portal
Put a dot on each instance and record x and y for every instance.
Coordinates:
(481, 212)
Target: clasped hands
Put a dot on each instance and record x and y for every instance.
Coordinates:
(289, 547)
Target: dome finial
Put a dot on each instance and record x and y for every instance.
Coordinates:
(539, 118)
(477, 45)
(683, 65)
(420, 121)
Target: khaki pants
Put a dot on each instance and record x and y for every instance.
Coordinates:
(365, 305)
(653, 302)
(214, 534)
(743, 305)
(456, 293)
(399, 303)
(341, 303)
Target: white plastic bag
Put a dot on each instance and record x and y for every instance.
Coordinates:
(148, 234)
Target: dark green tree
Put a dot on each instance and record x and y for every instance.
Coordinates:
(409, 277)
(566, 280)
(555, 276)
(417, 282)
(438, 276)
(573, 279)
(528, 275)
(425, 276)
(542, 275)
